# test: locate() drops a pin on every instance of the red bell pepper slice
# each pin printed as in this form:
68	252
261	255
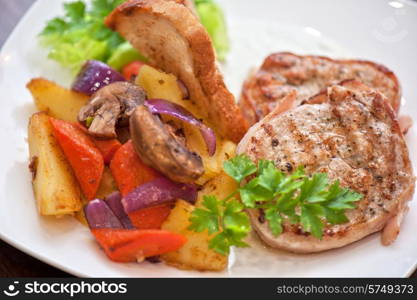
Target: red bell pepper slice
132	69
130	172
82	154
125	245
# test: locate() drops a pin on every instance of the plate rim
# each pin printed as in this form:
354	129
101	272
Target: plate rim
3	234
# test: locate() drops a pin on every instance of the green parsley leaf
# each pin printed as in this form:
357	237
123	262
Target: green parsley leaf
292	182
236	238
264	165
220	243
335	216
207	217
310	220
55	26
275	220
102	8
253	192
227	218
309	201
343	199
75	11
269	176
312	190
235	219
239	167
286	202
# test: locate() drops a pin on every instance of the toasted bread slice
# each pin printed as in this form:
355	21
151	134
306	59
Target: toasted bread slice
189	4
284	73
174	40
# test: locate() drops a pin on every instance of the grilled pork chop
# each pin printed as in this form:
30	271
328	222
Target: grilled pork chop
304	76
351	132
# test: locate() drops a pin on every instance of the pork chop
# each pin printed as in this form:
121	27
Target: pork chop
350	132
284	73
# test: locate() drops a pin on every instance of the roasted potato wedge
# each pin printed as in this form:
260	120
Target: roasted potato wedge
195	254
57	101
107	184
158	84
55	187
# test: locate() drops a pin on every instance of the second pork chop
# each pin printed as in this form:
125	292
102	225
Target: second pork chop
285	73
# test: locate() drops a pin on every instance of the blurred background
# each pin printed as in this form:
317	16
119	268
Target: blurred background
10	14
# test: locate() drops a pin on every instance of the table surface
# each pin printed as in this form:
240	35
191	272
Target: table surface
15	263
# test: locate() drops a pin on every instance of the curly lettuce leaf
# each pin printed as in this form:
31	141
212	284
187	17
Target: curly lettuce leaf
212	17
81	35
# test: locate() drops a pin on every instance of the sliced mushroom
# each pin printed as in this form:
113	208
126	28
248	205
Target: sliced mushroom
109	105
158	148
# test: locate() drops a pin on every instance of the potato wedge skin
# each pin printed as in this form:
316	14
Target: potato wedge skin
107	185
195	254
57	101
56	190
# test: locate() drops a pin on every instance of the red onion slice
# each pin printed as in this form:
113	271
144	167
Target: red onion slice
164	107
156	192
99	215
114	202
93	76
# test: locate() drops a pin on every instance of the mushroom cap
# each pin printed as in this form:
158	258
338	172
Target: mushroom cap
158	148
111	104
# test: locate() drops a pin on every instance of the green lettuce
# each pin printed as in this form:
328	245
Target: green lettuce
81	35
212	17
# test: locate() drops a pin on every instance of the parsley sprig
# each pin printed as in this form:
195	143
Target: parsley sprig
224	217
310	201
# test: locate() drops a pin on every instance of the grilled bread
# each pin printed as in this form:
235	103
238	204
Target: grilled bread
174	40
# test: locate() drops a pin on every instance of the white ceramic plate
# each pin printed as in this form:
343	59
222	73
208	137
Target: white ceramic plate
383	31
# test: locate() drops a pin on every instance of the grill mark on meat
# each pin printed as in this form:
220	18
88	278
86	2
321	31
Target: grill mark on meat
303	140
268	129
373	138
274	142
391	154
350	161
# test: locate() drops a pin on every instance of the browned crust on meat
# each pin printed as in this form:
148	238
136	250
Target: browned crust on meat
379	167
205	82
255	101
